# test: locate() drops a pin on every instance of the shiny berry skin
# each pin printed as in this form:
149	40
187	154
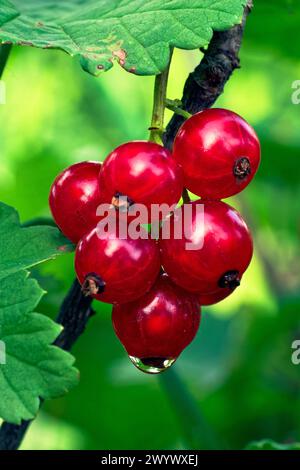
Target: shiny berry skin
157	327
219	153
214	252
215	297
145	172
74	198
113	269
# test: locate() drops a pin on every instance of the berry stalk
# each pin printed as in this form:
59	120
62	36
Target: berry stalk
176	107
159	104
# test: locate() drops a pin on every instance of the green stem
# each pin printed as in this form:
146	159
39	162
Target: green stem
185	196
159	105
175	106
198	432
4	53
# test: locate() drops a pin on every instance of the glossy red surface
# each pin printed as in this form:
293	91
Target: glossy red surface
215	297
209	145
128	267
143	171
74	198
226	246
160	324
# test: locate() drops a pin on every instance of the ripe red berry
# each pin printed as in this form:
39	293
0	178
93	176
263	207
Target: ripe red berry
214	251
144	172
219	153
74	198
157	327
215	297
113	269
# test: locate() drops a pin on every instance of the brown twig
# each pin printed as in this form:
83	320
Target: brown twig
204	86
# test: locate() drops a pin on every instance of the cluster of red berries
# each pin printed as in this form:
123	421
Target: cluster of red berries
158	286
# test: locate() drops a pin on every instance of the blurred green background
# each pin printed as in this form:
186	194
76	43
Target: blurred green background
237	377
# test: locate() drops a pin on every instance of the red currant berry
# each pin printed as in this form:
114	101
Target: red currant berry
219	153
215	297
144	172
74	198
214	251
114	269
157	327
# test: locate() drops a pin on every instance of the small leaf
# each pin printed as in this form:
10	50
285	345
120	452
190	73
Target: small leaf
22	247
268	444
135	33
31	367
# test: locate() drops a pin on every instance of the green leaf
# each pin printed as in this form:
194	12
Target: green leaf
268	444
30	367
21	247
136	33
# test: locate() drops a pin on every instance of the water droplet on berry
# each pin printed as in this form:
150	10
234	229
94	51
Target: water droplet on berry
152	365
